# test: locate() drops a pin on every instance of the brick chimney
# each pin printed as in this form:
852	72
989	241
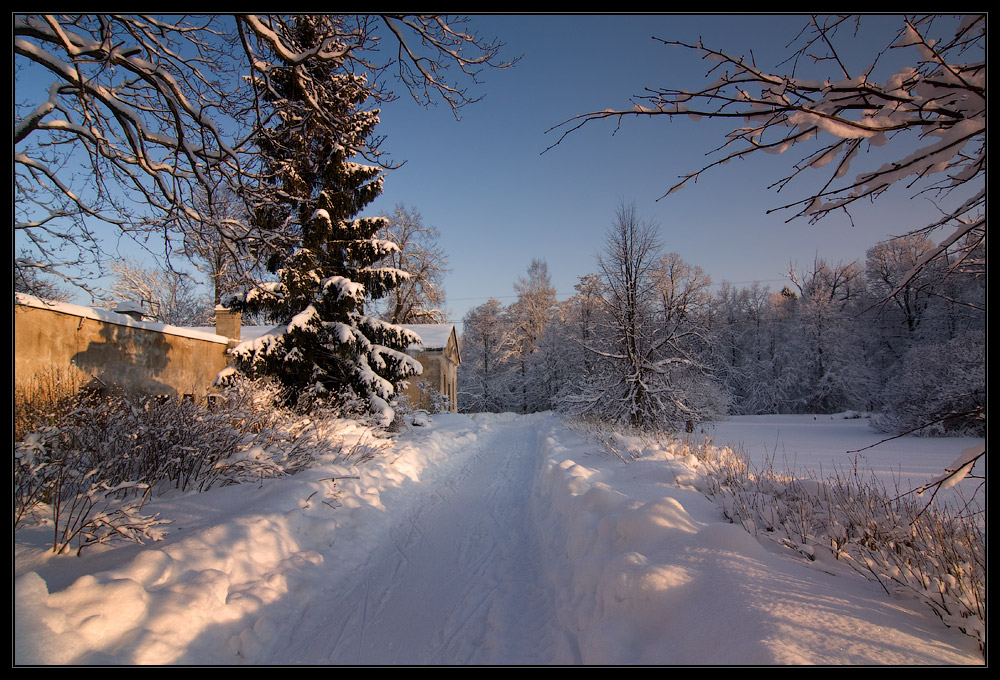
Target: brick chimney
227	323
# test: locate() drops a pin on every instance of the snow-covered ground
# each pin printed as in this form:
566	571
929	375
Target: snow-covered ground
491	539
824	445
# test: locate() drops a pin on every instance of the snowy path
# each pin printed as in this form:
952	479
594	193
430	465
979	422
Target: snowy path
457	581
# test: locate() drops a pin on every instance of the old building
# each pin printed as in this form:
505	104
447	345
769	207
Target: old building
438	354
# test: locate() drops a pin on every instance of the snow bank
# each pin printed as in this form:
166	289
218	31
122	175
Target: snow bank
628	564
648	571
238	562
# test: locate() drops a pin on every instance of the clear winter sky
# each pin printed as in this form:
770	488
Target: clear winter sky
498	201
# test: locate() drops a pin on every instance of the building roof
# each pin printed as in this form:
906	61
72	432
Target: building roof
116	318
432	335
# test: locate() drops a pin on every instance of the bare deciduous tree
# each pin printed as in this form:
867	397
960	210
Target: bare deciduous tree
420	297
887	264
215	242
121	119
645	374
28	280
682	288
528	316
487	345
165	295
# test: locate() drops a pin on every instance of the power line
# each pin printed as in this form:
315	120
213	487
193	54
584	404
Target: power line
568	295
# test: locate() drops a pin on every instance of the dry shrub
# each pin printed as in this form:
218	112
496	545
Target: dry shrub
899	540
43	398
88	467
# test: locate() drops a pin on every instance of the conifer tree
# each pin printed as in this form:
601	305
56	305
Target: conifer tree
329	263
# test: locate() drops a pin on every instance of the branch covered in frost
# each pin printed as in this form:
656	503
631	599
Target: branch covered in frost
933	111
128	120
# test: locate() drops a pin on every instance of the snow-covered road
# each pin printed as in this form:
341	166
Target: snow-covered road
456	581
492	539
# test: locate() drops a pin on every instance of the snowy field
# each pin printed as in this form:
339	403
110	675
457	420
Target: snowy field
825	445
491	539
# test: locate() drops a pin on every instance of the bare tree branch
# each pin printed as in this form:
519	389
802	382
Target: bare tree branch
933	111
122	120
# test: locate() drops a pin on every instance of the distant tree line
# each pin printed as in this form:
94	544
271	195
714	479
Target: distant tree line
904	333
647	341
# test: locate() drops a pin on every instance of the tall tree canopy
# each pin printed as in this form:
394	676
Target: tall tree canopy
122	120
646	373
330	263
420	298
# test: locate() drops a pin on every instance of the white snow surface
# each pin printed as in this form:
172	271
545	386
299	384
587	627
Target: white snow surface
822	446
487	539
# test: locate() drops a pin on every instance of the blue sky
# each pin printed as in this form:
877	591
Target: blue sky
498	201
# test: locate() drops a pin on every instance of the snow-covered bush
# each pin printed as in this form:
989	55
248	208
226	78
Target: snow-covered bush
431	399
898	540
68	485
621	441
405	412
88	473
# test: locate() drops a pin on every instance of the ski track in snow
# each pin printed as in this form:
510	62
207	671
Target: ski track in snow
456	577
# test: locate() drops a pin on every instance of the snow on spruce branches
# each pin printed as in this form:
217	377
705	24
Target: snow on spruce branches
331	262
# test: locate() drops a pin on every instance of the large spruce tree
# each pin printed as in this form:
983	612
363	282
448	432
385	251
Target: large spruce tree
329	263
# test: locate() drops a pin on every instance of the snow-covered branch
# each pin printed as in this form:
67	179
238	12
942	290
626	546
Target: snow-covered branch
126	120
931	113
446	44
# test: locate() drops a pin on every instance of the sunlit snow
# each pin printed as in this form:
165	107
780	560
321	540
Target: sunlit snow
490	539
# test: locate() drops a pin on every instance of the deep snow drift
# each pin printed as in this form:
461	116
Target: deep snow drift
492	539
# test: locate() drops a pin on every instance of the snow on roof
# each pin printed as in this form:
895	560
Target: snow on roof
432	335
126	306
116	318
248	332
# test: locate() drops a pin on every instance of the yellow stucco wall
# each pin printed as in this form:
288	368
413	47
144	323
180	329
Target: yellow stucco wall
123	354
440	373
156	359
